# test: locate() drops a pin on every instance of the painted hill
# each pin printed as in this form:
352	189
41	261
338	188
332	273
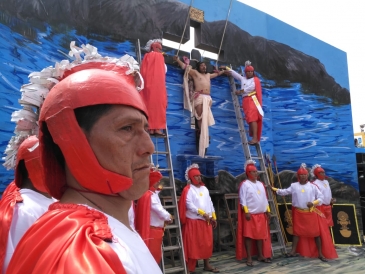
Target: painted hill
146	19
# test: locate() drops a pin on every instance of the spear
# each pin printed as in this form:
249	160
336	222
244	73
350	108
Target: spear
277	173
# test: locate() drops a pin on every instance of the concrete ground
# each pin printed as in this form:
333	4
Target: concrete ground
351	260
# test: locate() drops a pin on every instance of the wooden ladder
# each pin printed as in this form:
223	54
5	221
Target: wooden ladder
172	246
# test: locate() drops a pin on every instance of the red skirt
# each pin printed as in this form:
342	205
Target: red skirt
250	110
306	245
252	114
155	242
327	211
256	228
197	239
305	223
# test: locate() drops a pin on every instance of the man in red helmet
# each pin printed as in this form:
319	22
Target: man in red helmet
252	100
154	94
324	187
24	201
95	150
253	219
198	220
310	229
151	217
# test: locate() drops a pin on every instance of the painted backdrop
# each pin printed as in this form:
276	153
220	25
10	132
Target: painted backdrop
305	81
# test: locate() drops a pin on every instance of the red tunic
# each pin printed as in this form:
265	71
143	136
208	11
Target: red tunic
10	197
257	228
68	238
151	236
154	92
250	109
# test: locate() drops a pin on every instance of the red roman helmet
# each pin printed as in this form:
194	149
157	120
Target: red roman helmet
316	170
302	170
155	176
154	45
192	171
250	166
29	152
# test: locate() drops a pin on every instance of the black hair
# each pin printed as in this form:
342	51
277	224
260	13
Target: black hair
198	66
87	116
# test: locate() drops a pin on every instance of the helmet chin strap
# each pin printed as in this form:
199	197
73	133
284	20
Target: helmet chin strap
194	182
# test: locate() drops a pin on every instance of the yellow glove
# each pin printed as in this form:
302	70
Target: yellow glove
201	211
316	202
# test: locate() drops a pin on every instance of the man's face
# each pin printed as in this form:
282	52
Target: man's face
203	68
122	145
253	174
321	175
303	178
198	178
249	74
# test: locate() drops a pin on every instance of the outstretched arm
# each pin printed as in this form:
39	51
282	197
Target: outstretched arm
216	74
282	192
235	75
183	65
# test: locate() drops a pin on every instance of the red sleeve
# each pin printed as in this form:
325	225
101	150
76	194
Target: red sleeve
182	205
143	216
68	238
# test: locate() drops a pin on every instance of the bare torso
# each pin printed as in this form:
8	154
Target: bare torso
202	82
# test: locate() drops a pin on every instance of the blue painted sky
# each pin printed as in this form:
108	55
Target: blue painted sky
261	24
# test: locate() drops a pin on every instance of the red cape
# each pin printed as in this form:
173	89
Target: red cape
182	204
258	89
240	249
68	238
10	188
143	216
10	197
154	93
259	97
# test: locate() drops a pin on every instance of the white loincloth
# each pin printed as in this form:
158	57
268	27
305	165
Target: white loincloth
207	120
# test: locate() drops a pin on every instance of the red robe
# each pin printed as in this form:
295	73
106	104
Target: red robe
151	236
240	239
68	238
154	93
10	197
250	109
